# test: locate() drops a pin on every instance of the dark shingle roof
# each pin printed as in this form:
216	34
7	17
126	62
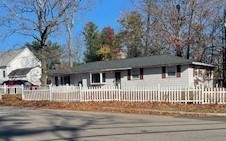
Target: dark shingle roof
20	72
138	62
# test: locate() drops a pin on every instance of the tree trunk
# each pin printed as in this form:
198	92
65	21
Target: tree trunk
147	49
43	67
70	49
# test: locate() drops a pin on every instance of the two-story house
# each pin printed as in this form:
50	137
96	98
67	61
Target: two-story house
20	64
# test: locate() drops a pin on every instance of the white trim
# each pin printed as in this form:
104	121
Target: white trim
104	70
202	64
101	79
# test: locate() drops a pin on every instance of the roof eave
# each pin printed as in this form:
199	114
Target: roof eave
203	64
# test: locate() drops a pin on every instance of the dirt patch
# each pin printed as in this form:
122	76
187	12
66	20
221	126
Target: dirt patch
119	107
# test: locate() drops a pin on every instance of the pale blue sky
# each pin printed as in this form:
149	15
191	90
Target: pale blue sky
103	13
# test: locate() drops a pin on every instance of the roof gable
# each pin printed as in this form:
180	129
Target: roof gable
7	56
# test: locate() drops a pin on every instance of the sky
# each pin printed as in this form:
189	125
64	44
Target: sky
104	13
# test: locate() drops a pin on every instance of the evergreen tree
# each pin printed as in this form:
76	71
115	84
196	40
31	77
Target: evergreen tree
91	34
52	53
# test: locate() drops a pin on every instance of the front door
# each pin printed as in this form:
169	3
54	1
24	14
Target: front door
117	78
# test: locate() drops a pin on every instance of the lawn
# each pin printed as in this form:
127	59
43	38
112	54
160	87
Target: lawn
119	107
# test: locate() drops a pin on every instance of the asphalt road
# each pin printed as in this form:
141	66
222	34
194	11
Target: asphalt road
24	124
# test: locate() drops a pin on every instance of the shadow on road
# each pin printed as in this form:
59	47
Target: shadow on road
59	125
22	123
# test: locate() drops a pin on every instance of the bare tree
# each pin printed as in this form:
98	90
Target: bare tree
37	19
70	17
147	8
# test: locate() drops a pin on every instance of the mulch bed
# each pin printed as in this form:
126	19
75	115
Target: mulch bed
119	107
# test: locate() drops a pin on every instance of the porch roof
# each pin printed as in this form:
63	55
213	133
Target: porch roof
20	72
137	62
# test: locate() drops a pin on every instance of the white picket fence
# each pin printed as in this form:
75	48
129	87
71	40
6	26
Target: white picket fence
4	89
199	95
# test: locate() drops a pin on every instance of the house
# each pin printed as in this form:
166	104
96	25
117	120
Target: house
166	70
20	64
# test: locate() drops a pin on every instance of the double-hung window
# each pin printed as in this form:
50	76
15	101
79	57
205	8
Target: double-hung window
97	78
136	73
171	71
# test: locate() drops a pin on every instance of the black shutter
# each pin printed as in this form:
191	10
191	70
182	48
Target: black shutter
178	71
163	72
141	73
129	75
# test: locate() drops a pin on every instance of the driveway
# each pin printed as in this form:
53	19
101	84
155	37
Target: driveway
25	124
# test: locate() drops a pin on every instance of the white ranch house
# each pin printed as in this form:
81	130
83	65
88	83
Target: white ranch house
164	70
20	64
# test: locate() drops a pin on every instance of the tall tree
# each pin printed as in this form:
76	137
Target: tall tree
109	46
147	9
131	33
70	20
37	19
92	40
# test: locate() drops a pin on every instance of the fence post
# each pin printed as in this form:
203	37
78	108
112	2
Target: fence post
202	93
22	91
67	90
80	92
4	89
159	88
119	92
186	95
50	92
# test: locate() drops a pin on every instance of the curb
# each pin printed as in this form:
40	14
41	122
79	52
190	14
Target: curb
171	112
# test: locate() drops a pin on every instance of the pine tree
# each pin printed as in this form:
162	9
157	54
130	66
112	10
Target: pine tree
91	34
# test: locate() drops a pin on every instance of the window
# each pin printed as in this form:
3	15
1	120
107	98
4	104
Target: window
64	80
67	80
171	71
135	73
4	74
98	78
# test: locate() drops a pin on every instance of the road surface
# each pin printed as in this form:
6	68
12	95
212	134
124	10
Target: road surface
25	124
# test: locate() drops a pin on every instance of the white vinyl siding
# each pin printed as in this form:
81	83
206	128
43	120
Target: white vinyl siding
153	77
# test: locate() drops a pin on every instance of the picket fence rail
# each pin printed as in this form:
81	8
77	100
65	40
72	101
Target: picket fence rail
198	95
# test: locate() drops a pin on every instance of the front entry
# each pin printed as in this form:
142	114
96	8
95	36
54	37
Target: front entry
117	78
